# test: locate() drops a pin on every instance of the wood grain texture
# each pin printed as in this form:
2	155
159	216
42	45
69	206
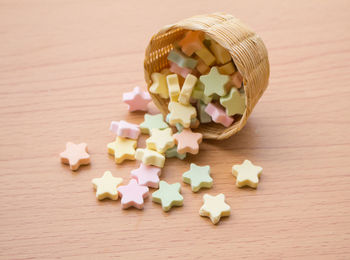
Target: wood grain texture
63	68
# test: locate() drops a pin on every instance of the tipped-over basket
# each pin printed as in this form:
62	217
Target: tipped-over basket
247	51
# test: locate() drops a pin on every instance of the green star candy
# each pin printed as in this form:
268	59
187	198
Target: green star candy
214	82
198	93
172	152
234	102
168	195
152	121
198	177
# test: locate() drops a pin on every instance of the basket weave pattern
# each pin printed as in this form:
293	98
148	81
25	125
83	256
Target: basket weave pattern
247	51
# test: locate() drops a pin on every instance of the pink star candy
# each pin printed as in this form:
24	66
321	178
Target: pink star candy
183	72
125	129
147	175
132	194
75	155
187	141
137	99
218	115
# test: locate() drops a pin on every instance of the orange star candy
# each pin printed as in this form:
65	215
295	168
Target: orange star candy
75	155
187	141
193	41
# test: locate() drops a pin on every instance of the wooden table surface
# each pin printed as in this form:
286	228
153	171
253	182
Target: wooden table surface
63	68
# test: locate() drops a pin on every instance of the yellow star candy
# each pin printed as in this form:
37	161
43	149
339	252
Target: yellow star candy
182	114
150	157
106	186
159	85
122	149
160	140
214	207
247	174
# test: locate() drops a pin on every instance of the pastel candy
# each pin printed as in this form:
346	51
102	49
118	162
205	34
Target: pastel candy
183	72
106	186
214	82
133	194
187	141
202	67
172	152
187	88
214	207
178	126
150	157
194	124
237	79
181	113
160	140
147	175
198	177
159	85
125	129
192	42
218	115
182	60
122	149
168	195
75	155
173	86
206	56
137	99
234	102
152	121
221	54
198	93
202	115
227	68
247	174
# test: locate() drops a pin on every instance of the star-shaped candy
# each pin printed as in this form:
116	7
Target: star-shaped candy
106	186
187	141
168	195
192	42
247	174
133	194
160	140
159	85
147	175
125	129
122	149
182	114
218	115
75	155
198	177
152	121
172	152
214	82
214	207
137	99
150	157
234	102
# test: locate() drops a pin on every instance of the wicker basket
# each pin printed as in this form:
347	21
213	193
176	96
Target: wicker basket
246	48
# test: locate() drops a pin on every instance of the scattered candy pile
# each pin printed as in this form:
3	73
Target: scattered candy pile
216	96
